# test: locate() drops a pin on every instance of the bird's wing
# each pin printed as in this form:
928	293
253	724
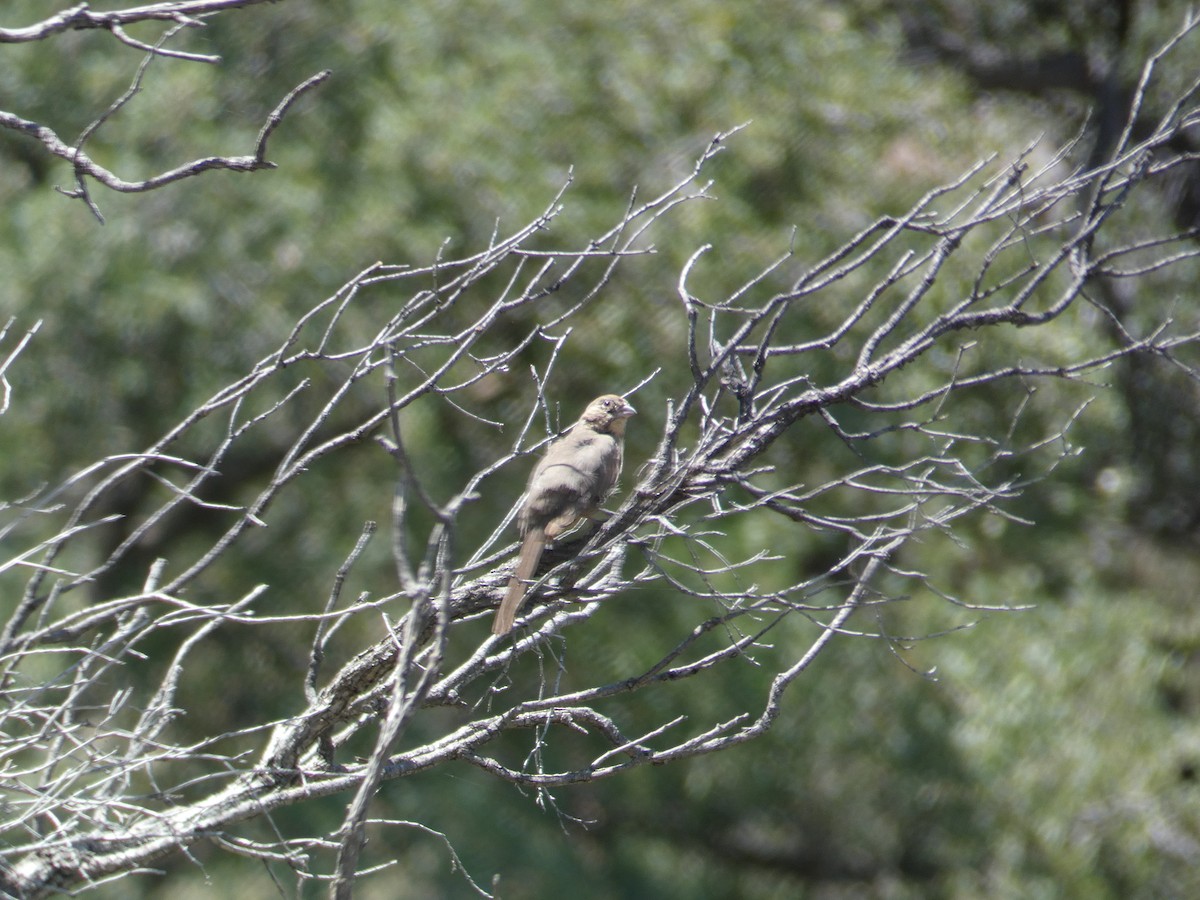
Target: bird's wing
571	480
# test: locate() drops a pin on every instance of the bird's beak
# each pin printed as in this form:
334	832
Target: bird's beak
626	410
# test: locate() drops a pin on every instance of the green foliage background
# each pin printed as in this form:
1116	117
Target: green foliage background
1054	751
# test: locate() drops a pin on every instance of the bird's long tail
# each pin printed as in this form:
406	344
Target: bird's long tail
527	563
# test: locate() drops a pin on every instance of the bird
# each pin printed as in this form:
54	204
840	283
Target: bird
567	485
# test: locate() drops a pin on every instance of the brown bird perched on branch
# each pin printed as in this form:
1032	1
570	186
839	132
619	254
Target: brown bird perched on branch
568	485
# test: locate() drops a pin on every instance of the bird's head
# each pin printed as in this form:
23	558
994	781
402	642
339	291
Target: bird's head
608	413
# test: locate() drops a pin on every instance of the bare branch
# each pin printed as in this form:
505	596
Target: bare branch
81	17
874	349
179	16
